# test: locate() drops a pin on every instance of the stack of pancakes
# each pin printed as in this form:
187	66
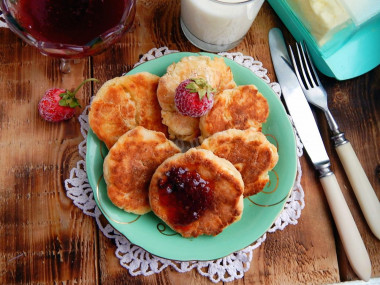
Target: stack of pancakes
135	116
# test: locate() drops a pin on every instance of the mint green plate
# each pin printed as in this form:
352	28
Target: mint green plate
260	211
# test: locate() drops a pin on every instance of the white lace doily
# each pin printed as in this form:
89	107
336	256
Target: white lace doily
139	262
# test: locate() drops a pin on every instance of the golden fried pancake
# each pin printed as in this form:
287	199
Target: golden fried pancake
217	74
183	127
130	164
197	193
249	151
240	108
123	103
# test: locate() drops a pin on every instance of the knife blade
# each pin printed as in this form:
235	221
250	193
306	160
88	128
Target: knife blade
308	132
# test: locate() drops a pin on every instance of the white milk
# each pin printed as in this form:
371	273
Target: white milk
219	22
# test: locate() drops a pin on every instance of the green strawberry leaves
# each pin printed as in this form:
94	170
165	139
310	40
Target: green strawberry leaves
200	86
68	98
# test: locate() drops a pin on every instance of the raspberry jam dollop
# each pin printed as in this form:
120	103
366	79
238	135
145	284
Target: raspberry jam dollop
185	194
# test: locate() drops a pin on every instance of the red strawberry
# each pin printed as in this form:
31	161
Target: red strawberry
194	97
59	104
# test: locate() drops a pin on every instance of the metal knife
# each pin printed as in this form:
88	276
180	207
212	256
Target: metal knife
308	132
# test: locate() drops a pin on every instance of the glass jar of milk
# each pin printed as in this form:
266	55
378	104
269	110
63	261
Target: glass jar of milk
217	25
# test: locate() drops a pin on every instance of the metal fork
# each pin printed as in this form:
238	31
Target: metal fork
317	96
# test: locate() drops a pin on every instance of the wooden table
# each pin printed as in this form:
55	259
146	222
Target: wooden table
46	239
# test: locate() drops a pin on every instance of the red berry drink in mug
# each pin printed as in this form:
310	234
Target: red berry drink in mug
79	27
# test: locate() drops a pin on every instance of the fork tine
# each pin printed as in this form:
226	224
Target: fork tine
301	59
313	73
296	69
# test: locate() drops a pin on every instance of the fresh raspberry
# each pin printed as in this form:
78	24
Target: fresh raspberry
59	104
194	97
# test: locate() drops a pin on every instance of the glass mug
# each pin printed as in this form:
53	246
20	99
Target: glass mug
69	29
217	25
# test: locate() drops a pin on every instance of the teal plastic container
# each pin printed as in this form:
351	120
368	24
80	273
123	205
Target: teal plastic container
352	51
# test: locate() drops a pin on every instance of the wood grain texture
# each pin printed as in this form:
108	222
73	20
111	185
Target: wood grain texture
46	239
355	104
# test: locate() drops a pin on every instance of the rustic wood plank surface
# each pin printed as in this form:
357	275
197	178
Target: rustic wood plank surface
46	239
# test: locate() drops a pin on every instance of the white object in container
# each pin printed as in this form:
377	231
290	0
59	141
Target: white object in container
214	25
323	18
362	10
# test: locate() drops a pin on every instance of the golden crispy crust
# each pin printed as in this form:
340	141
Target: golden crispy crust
217	74
123	103
130	164
182	127
240	108
226	205
249	151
